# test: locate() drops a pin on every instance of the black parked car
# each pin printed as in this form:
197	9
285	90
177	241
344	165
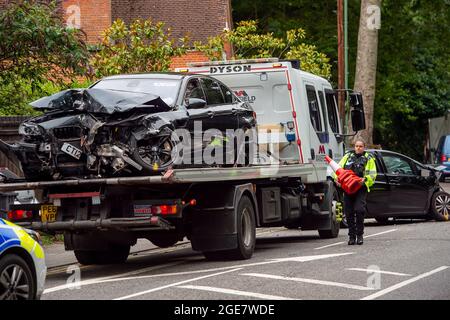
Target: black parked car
405	188
123	125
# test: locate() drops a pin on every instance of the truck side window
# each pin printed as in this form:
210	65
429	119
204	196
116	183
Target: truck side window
314	111
323	108
213	92
332	113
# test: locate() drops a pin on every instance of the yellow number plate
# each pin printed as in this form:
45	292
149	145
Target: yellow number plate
48	213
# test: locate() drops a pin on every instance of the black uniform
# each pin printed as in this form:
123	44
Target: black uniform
355	204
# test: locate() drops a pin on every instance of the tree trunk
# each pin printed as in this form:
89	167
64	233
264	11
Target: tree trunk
366	62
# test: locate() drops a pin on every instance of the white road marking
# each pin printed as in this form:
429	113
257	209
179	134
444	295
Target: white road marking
175	284
109	278
369	236
380	271
312	281
404	283
236	292
311	258
330	245
380	233
124	277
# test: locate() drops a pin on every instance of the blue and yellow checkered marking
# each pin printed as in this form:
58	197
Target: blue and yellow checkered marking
12	235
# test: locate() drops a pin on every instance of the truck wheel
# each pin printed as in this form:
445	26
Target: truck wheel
246	230
163	242
440	206
246	234
117	254
332	206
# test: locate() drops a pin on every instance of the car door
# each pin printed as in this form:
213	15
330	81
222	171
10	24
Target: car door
408	194
380	192
224	115
200	118
204	113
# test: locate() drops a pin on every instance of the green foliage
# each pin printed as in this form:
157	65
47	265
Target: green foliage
413	78
249	43
36	48
414	73
142	46
14	97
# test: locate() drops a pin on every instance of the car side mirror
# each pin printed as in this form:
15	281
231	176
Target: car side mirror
357	111
195	103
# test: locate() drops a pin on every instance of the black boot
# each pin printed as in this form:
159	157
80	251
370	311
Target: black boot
351	241
360	240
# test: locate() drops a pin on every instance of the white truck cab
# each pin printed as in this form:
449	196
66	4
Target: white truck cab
299	106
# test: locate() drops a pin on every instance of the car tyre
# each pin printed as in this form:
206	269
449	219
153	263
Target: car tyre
440	206
14	268
165	145
382	220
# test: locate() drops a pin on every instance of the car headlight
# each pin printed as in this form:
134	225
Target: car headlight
27	129
33	234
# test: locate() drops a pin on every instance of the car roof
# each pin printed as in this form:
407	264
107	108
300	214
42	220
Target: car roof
150	75
392	153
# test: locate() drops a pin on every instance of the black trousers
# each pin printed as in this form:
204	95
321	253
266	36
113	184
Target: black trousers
355	210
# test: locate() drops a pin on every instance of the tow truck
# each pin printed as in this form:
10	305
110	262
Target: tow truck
218	209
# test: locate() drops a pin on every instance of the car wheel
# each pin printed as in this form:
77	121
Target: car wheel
16	279
156	153
440	206
382	220
115	255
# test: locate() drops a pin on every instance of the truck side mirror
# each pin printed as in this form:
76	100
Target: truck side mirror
357	111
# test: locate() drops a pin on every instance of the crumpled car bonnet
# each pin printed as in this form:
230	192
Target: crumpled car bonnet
100	101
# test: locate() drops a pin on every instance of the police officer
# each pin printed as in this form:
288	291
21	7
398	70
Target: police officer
363	165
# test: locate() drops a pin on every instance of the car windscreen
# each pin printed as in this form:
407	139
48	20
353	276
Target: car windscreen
166	89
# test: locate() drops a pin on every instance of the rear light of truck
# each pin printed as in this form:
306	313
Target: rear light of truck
164	209
443	158
15	215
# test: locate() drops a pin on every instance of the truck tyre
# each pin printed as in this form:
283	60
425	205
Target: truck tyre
440	206
164	242
115	255
333	232
246	234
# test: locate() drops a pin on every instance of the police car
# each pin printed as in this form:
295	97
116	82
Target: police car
22	263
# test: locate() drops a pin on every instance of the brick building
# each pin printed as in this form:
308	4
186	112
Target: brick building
199	19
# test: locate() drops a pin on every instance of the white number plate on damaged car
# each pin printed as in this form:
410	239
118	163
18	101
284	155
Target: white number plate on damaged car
71	150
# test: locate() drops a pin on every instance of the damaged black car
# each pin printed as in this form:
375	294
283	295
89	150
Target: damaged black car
123	125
